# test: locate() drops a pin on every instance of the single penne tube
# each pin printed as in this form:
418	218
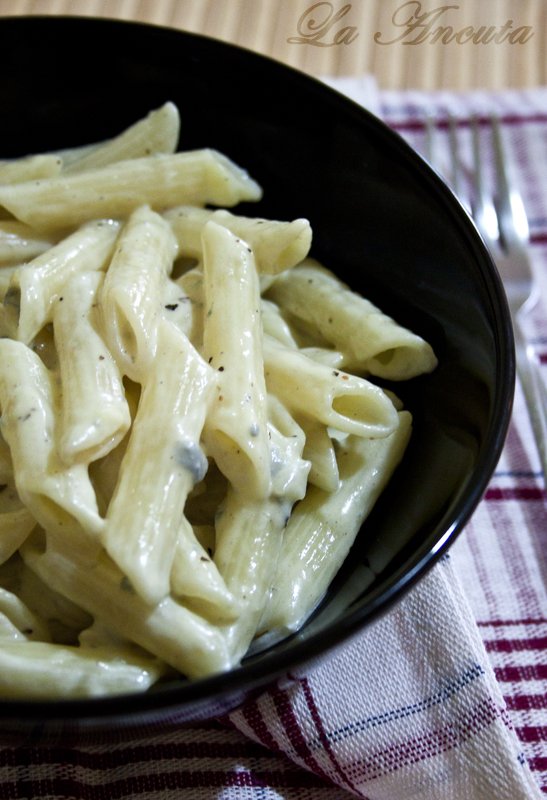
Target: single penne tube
288	467
44	344
6	466
191	284
277	246
104	472
29	625
35	670
249	536
69	155
158	132
15	526
324	525
55	494
64	619
29	168
94	412
197	177
205	499
205	534
235	433
274	325
177	308
329	358
196	580
351	323
16	521
5	278
265	281
35	286
9	632
346	402
162	463
132	293
19	243
178	636
319	450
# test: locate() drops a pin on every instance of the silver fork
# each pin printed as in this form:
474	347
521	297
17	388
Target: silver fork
501	220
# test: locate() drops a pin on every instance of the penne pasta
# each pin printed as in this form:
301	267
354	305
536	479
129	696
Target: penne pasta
104	472
323	526
346	402
15	526
249	536
94	412
8	631
158	132
196	579
319	450
22	625
235	432
168	630
33	670
163	462
61	620
274	325
35	286
131	296
177	308
6	466
19	243
333	359
191	284
289	470
55	495
276	246
29	168
16	522
184	462
199	177
351	323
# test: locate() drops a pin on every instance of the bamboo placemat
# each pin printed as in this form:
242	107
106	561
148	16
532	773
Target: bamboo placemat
474	48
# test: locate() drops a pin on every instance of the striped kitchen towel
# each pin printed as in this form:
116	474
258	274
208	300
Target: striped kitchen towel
443	698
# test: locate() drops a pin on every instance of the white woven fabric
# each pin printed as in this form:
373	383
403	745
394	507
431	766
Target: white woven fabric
410	709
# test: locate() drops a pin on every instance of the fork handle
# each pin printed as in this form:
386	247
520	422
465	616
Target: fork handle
535	392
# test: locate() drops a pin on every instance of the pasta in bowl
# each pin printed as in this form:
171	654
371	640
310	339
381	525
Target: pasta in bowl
187	457
145	556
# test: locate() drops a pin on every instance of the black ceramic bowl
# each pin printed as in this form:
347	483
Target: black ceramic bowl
381	219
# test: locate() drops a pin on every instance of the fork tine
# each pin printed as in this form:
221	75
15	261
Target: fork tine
484	212
513	224
514	237
510	255
430	150
455	171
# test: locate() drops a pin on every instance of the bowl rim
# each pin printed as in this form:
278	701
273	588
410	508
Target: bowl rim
124	709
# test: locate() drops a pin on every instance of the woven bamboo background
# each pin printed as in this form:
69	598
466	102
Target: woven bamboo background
267	25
